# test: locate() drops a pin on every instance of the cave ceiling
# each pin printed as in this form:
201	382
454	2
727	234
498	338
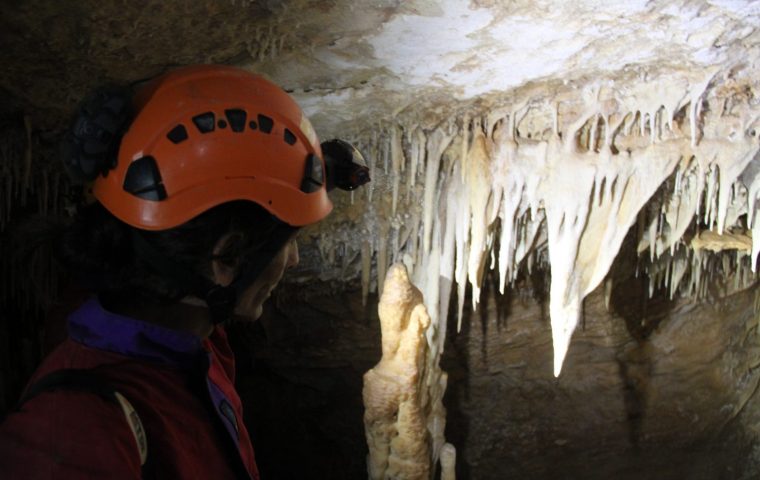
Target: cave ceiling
354	64
500	135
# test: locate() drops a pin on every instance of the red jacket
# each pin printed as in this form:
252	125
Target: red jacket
181	387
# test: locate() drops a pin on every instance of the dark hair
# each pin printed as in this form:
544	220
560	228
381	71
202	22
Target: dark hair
98	249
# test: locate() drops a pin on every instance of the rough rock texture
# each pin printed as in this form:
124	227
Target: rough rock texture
353	63
663	405
653	389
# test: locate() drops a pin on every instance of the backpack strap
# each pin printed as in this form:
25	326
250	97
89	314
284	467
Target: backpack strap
88	381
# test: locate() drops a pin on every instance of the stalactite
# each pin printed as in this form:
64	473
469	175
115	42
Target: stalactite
437	143
452	198
565	196
479	183
382	255
607	293
508	180
386	149
30	177
465	146
397	161
461	236
366	268
417	145
372	148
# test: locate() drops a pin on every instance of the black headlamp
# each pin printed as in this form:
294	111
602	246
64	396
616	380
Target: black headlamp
346	167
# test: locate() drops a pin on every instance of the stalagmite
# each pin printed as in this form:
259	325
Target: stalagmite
448	462
404	417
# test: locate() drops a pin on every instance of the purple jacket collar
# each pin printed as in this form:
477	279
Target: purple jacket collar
95	327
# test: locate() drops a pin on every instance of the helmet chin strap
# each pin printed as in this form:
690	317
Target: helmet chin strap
221	299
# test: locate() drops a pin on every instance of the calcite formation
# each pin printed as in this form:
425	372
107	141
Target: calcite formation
560	180
404	417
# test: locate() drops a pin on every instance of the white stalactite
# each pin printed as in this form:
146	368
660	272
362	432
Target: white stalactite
572	190
397	161
437	143
479	189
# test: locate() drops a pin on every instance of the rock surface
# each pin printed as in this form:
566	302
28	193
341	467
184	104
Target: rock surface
653	389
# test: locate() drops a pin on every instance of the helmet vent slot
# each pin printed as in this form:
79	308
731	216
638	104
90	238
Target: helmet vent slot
265	123
143	180
205	122
177	134
289	137
236	117
313	175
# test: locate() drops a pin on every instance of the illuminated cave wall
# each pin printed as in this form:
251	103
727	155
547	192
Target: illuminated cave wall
557	185
559	181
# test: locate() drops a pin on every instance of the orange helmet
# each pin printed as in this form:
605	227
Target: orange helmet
205	135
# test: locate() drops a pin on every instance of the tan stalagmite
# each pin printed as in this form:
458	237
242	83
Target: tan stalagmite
448	462
401	407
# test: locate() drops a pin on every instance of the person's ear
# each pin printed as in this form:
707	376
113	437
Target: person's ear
222	271
293	258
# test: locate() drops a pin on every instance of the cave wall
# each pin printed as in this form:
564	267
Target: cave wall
653	388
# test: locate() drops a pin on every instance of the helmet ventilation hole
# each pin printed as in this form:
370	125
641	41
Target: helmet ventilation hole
265	123
205	122
236	117
289	137
143	180
177	134
313	175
